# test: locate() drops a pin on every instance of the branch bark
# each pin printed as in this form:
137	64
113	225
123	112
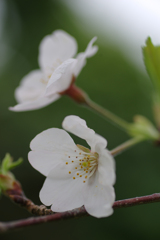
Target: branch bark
17	195
79	212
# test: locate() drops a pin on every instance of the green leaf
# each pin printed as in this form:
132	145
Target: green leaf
8	164
15	164
151	55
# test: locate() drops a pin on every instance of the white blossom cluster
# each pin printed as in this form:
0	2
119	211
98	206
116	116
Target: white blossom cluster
75	175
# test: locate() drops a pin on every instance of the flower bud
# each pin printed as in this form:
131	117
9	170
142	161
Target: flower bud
143	128
8	184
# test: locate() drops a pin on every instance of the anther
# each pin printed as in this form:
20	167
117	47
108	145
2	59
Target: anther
66	163
79	153
72	161
79	163
80	160
74	178
77	173
84	181
80	175
69	156
85	176
75	167
69	172
86	171
76	157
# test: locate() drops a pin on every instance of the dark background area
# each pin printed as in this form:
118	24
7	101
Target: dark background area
109	80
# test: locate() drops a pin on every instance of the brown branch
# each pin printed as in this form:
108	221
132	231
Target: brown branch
17	195
137	201
6	226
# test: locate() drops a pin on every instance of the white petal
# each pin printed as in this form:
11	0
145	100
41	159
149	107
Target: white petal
56	48
30	93
98	199
44	161
97	143
78	127
49	148
61	190
33	105
106	168
81	57
52	139
61	78
32	86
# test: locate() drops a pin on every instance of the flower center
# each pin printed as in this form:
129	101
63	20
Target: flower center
83	165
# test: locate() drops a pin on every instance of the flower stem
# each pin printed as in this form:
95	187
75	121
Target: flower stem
107	114
124	146
78	212
81	97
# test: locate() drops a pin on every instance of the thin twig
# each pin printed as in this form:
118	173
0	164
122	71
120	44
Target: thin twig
17	195
79	212
124	146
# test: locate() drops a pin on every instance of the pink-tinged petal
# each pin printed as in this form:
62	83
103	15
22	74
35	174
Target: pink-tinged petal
51	147
61	78
81	57
55	49
35	104
98	199
78	127
106	168
61	190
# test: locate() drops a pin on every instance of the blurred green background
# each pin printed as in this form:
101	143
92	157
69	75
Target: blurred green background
109	80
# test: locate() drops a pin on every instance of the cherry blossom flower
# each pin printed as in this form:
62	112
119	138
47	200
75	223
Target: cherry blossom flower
58	70
76	175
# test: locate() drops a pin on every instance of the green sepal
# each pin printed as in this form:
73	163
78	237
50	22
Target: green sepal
143	128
